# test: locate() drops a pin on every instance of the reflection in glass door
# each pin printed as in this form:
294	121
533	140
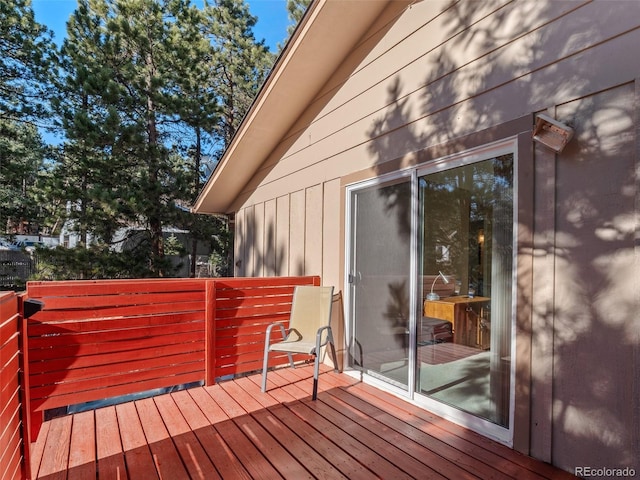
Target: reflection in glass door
466	261
380	280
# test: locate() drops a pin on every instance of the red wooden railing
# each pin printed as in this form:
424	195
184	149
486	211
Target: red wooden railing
12	445
100	339
242	308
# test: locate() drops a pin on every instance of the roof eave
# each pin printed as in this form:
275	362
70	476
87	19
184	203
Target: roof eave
325	35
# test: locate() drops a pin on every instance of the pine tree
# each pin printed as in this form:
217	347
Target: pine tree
147	87
27	59
27	56
22	155
131	68
235	70
296	9
240	64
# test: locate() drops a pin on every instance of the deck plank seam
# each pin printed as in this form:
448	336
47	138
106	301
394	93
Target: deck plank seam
474	443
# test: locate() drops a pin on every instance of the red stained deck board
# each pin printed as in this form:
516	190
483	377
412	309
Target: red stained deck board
280	394
55	455
252	459
193	454
322	443
37	448
241	396
469	442
237	403
225	461
109	452
138	457
414	459
82	452
226	402
212	411
357	447
292	439
234	431
384	447
253	389
164	452
478	465
286	464
275	378
439	455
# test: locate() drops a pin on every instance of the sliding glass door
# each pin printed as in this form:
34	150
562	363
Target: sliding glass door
431	275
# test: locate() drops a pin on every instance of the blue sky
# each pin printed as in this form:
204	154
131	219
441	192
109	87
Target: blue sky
272	18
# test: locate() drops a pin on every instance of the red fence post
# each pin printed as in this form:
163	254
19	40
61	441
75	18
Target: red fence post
14	441
29	430
210	333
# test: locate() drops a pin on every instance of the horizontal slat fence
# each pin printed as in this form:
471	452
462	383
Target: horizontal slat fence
243	308
100	339
11	432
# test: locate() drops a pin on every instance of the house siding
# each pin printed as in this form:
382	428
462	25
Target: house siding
596	284
438	78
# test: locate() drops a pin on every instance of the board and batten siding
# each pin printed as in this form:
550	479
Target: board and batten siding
289	235
586	387
417	86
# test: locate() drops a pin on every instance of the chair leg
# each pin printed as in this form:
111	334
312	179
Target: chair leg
334	357
293	365
265	363
316	363
265	360
316	371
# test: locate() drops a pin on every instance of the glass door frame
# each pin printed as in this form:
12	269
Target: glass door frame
485	427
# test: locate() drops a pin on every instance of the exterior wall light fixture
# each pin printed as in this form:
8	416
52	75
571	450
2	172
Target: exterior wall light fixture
551	133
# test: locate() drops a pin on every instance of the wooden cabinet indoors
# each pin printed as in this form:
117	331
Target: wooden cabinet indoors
469	316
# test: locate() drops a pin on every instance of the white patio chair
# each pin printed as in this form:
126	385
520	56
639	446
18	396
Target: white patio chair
309	330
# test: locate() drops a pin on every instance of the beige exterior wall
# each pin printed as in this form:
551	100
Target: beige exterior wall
432	80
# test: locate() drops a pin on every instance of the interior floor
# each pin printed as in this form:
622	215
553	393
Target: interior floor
452	374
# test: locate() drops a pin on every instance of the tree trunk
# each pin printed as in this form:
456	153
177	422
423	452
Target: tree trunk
154	218
194	241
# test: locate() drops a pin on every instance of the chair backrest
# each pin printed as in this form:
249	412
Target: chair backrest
311	309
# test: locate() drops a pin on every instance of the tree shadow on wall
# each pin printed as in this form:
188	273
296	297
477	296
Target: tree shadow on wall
498	66
268	260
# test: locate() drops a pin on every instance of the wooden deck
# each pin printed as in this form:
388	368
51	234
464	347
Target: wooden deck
233	431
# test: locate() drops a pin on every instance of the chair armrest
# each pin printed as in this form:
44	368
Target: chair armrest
329	338
270	327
